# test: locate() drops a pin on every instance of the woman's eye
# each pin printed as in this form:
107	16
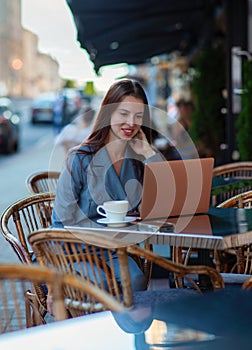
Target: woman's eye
123	114
139	116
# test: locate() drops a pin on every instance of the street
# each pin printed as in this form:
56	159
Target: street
36	153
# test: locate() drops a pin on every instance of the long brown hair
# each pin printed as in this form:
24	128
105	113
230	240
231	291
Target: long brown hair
115	95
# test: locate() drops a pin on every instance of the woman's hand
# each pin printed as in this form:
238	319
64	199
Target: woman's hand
140	145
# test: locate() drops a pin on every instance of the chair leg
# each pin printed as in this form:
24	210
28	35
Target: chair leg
240	260
177	258
147	265
28	314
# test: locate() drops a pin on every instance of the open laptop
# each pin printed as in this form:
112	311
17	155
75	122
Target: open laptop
177	187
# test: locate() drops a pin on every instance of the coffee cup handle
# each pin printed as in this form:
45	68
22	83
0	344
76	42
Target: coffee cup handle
99	208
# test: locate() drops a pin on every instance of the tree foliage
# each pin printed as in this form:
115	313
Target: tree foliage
71	84
208	123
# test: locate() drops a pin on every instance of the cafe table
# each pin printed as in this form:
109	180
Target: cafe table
212	321
219	228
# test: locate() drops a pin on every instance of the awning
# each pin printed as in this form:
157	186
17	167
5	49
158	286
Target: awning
133	31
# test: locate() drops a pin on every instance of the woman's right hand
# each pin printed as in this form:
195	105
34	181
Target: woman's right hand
141	146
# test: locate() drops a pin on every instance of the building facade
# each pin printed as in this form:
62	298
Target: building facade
24	71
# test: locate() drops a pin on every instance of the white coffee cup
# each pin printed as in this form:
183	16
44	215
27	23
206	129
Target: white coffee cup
115	211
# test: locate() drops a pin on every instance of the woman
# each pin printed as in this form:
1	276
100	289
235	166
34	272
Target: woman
109	164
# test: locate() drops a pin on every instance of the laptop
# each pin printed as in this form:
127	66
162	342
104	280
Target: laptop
177	187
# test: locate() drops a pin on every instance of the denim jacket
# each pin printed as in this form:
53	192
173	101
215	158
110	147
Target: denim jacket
89	180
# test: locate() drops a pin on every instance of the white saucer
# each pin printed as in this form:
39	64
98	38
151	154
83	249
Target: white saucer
116	223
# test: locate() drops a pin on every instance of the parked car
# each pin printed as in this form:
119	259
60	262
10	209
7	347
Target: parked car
42	108
9	127
43	104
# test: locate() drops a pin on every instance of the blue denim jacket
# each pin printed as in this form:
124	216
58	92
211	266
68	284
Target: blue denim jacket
89	180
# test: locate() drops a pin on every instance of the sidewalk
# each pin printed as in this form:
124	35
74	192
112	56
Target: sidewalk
14	171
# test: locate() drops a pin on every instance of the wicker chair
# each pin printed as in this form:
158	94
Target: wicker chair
240	170
91	256
23	217
43	181
242	200
237	170
70	295
19	220
243	263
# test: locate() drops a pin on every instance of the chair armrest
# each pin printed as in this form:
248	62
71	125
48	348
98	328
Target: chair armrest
18	248
182	270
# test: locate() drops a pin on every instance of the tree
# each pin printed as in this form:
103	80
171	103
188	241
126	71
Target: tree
71	84
208	123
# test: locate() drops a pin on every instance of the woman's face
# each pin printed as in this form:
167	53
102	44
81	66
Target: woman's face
127	119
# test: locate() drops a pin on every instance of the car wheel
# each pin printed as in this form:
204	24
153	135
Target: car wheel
10	147
16	146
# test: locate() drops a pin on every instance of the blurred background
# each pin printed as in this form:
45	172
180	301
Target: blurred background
58	58
72	51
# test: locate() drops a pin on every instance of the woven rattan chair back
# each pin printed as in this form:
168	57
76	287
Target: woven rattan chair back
90	257
70	296
237	170
82	297
16	283
242	200
241	170
23	217
42	182
243	263
18	221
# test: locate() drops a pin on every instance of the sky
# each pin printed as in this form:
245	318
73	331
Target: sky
52	21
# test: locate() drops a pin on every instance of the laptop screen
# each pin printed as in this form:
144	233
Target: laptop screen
177	187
